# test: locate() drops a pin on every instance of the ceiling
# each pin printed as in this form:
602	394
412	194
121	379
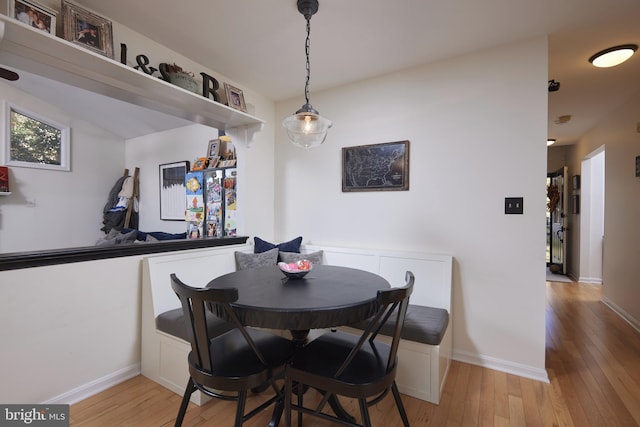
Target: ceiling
260	43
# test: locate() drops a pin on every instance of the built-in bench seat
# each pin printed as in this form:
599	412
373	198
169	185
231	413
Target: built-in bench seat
172	322
426	325
425	347
165	344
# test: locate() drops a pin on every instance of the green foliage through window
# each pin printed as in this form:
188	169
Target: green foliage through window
34	141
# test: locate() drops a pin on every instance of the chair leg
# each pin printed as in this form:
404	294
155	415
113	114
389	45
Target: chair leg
364	411
188	391
288	389
300	393
398	399
242	399
277	412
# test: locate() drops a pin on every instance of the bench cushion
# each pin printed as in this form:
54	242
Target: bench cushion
422	324
172	322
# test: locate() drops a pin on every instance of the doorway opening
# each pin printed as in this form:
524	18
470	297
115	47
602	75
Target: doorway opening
592	218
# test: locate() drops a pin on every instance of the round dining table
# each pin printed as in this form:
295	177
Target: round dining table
328	296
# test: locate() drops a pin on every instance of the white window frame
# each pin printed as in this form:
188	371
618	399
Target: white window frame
65	149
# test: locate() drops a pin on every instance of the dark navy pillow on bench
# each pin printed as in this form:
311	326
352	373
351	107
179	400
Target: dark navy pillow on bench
172	322
422	324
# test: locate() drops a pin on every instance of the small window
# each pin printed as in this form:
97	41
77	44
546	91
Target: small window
33	141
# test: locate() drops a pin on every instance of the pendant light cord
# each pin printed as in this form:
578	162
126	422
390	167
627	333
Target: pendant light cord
306	50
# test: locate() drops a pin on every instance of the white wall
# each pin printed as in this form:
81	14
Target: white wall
617	132
477	126
69	329
56	209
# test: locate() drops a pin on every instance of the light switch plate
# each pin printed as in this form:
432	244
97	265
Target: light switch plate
513	205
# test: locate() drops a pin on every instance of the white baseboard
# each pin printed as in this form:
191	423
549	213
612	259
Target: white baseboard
94	387
590	280
622	313
501	365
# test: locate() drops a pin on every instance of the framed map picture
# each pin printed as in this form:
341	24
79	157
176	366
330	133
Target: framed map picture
376	167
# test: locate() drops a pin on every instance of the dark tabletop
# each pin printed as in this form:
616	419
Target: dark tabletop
326	297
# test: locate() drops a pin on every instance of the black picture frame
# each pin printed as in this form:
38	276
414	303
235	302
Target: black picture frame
173	191
575	204
376	167
638	166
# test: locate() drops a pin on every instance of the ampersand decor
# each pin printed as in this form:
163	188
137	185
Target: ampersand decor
143	61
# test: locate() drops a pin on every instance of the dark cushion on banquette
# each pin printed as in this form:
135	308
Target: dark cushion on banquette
422	324
172	322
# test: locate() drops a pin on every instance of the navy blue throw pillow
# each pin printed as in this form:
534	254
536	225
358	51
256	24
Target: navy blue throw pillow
290	246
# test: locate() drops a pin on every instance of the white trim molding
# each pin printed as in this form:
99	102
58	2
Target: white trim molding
622	313
501	365
96	386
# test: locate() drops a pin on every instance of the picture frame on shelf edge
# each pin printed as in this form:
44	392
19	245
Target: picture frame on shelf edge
33	14
213	149
213	162
235	97
87	29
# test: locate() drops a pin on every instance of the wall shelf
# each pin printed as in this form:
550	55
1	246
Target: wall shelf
112	89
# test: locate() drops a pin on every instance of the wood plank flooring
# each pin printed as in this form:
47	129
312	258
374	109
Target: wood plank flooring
592	357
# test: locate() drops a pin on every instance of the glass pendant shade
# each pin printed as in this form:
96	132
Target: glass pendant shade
306	128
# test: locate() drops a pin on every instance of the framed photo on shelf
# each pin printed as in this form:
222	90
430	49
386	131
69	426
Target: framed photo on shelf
173	191
214	148
87	29
213	162
227	163
33	14
200	163
235	97
4	179
377	167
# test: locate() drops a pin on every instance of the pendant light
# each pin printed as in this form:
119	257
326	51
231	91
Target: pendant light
307	128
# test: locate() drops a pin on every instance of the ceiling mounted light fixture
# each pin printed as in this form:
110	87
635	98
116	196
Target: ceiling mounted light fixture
613	56
550	141
307	128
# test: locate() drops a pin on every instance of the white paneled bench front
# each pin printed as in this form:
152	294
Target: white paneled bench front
427	340
425	349
164	348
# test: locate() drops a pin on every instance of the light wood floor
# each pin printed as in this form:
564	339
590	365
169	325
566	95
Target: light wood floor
592	357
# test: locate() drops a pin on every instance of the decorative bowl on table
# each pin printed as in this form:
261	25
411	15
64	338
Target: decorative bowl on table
296	270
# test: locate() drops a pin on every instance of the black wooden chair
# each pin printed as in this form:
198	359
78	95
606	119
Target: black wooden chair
355	366
227	366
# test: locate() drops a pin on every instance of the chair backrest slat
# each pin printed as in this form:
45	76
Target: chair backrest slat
395	300
196	305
